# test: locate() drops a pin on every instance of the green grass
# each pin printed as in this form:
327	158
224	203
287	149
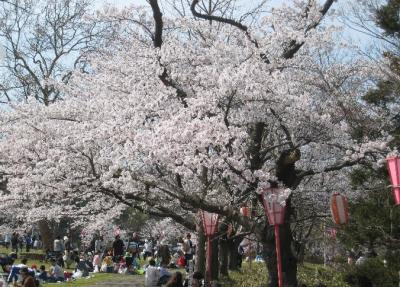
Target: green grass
309	274
254	276
97	278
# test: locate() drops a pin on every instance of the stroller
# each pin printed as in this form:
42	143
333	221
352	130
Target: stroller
51	255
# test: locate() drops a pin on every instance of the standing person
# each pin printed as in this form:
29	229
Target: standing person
28	242
7	240
68	260
92	244
58	248
118	248
21	240
33	239
98	245
188	249
14	242
67	245
164	254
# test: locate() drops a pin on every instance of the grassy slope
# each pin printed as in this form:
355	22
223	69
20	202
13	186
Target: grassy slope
309	274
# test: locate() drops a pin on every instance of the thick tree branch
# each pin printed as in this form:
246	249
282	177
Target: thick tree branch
331	168
158	23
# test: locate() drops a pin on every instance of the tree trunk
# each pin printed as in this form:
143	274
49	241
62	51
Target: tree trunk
46	234
233	245
200	263
214	261
223	256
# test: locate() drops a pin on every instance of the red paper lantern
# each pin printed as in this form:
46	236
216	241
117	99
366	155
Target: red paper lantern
245	211
339	209
210	222
273	209
393	164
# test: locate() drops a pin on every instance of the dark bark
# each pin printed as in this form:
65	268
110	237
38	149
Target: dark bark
215	261
158	23
223	256
286	173
200	264
46	234
233	245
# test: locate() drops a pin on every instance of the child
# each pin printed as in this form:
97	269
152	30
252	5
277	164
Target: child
97	262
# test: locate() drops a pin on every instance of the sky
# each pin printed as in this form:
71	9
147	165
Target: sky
356	37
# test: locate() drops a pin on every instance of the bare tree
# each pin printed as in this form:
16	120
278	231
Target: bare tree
43	41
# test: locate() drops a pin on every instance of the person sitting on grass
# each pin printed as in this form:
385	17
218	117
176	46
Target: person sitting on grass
56	272
43	276
164	274
81	268
15	270
176	280
27	279
197	277
107	264
152	274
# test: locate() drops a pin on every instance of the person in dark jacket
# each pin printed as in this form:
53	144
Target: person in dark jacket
118	248
14	242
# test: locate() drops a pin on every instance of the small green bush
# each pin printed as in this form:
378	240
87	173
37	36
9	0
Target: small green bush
375	271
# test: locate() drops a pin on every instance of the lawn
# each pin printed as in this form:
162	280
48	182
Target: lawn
254	276
101	278
309	274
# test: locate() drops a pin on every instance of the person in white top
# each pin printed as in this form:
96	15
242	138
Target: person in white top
152	274
98	245
7	240
148	249
58	245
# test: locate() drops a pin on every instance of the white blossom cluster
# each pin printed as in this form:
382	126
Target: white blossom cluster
123	134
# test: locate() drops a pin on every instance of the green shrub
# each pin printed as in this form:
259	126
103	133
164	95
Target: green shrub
375	271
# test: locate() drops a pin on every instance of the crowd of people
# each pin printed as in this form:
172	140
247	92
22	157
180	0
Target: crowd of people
152	257
17	242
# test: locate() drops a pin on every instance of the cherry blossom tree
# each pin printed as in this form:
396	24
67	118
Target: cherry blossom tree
190	120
